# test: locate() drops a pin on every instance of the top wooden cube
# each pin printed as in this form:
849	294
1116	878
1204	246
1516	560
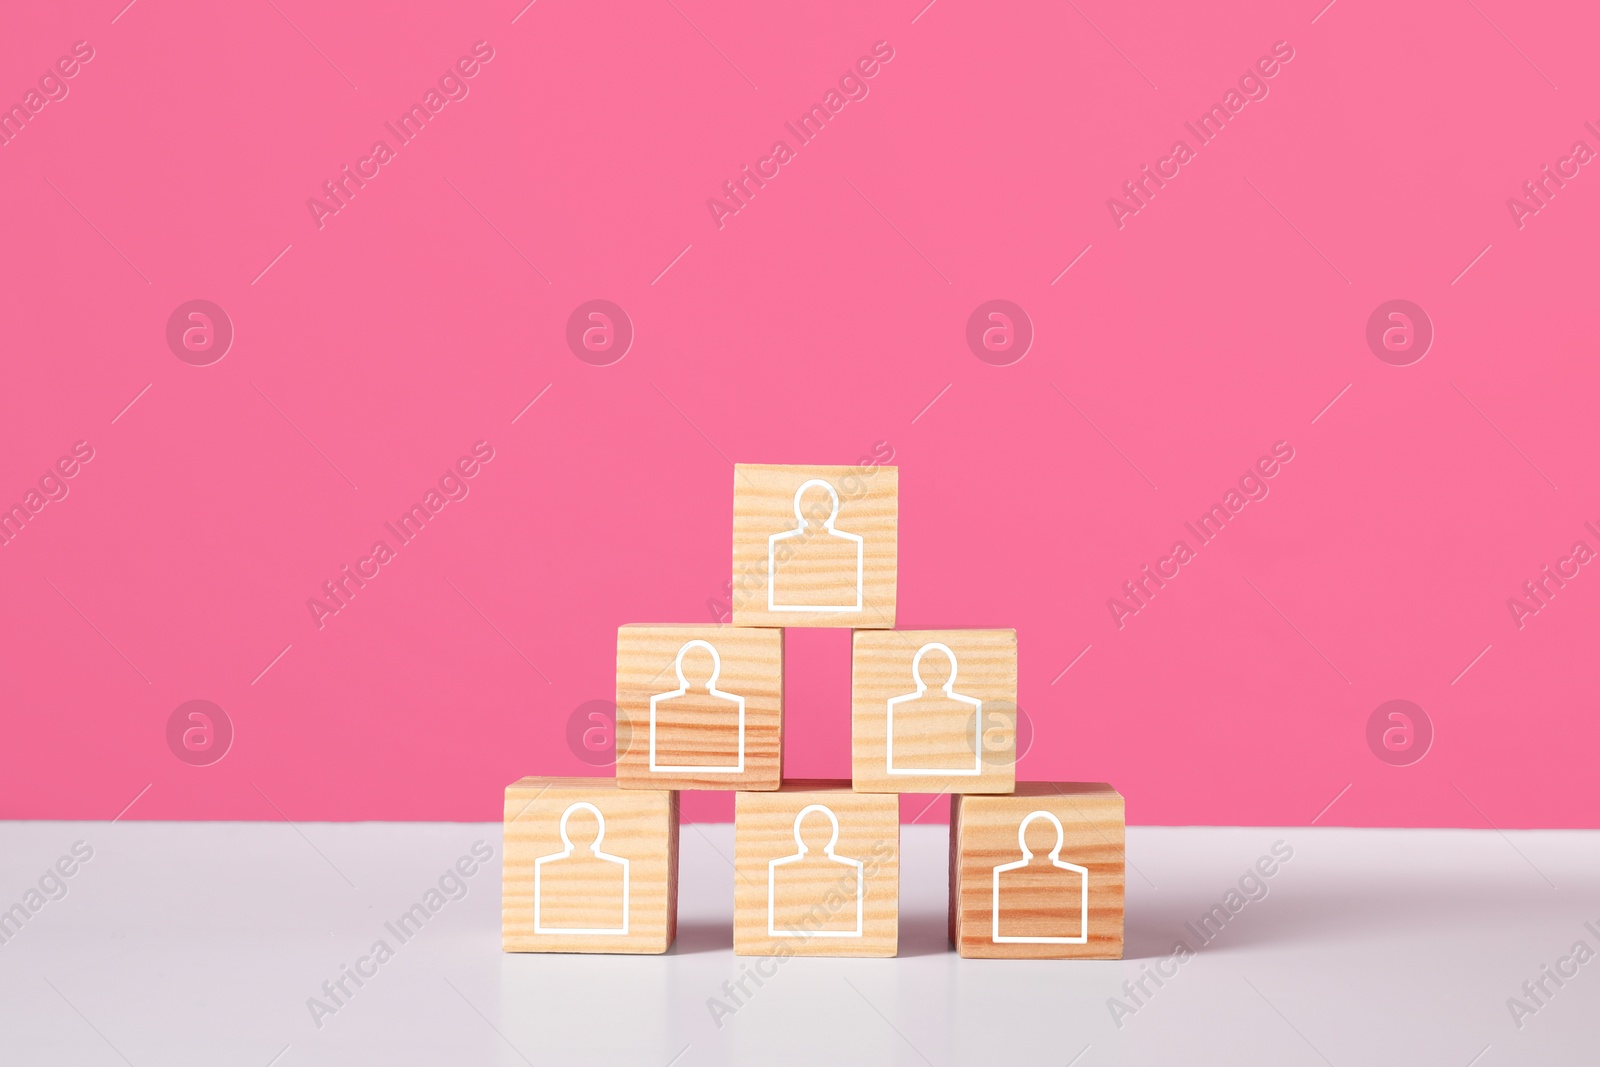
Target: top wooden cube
815	546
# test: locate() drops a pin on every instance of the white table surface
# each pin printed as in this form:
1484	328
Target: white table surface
200	943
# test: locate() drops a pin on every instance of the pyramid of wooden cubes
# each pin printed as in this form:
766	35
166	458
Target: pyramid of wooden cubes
1036	868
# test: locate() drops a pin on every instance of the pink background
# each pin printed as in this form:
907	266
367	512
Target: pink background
817	322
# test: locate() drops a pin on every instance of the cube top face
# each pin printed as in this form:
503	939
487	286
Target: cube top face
815	546
588	867
933	711
699	707
1038	874
817	872
815	785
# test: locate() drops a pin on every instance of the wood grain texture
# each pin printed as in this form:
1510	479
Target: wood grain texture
1038	898
972	728
813	895
698	729
815	568
580	890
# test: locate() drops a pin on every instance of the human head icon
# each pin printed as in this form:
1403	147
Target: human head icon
599	830
916	666
716	666
800	517
1022	835
833	822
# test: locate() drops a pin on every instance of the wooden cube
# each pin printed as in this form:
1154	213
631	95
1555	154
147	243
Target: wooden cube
933	711
1038	874
699	707
588	867
815	546
817	872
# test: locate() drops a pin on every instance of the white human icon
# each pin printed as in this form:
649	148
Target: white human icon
851	871
556	858
712	693
897	705
803	526
1078	884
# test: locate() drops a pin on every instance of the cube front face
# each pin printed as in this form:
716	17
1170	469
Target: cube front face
699	707
815	546
817	872
1057	893
933	711
589	867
